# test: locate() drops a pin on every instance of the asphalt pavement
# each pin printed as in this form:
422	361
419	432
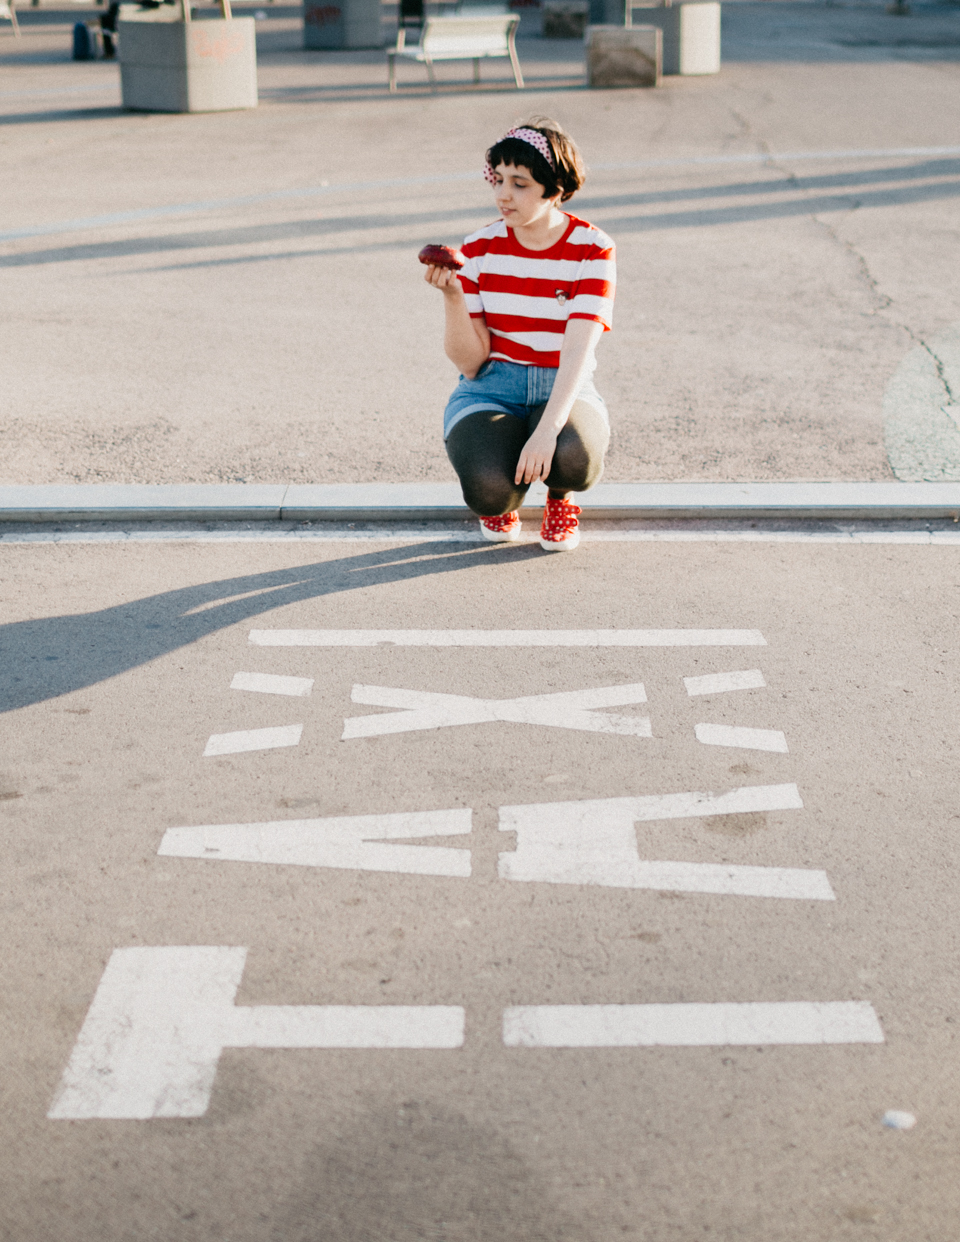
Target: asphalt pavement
393	890
365	882
235	297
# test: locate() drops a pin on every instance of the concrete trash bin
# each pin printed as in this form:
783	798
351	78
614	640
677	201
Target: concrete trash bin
624	55
342	24
169	63
565	19
691	33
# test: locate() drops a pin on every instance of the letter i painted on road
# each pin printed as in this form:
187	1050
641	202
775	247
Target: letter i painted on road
161	1017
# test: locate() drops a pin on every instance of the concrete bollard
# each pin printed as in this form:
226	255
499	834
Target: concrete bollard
194	66
691	34
624	55
342	24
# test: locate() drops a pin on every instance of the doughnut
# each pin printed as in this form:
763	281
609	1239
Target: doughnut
442	256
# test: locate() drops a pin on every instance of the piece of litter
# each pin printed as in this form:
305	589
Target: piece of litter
260	15
893	1119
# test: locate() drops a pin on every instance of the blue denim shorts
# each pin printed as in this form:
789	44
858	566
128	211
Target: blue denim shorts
512	389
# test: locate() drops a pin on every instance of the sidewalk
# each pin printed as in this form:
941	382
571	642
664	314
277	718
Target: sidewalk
441	502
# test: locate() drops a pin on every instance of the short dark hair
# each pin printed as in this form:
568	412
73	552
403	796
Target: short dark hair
569	174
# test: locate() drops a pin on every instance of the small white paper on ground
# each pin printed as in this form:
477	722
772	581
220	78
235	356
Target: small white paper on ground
268	683
893	1119
253	739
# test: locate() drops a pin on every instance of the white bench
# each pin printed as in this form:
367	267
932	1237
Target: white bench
9	14
459	38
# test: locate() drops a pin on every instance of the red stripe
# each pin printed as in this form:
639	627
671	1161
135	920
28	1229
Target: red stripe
591	319
526	286
524	323
522	354
543	287
527	323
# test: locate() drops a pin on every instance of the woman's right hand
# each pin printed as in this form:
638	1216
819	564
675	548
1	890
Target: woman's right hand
444	279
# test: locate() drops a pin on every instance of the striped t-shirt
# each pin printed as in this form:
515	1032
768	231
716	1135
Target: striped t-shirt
527	296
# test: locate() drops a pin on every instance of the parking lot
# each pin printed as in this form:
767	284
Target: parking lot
375	884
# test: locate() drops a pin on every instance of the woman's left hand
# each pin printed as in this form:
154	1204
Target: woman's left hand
536	457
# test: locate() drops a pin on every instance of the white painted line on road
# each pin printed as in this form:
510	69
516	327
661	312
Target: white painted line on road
161	1017
595	842
353	842
691	1025
720	683
268	683
328	532
253	739
746	739
566	710
507	638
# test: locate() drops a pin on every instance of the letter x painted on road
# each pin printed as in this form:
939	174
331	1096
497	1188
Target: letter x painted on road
567	710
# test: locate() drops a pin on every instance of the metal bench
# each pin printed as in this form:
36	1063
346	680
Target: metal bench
459	38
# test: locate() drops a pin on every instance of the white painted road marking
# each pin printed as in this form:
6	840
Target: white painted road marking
567	710
746	739
852	533
508	638
685	1026
557	843
161	1017
720	683
350	842
595	842
253	739
267	683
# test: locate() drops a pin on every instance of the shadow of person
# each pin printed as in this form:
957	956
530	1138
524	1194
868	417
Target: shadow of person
424	1171
52	656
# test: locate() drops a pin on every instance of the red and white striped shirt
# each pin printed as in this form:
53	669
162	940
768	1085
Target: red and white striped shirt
527	296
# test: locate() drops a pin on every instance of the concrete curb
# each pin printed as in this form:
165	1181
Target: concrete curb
418	502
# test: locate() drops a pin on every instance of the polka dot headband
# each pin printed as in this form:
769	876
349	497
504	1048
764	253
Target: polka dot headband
531	136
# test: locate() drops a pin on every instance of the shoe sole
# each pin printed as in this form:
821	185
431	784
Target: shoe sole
563	545
500	536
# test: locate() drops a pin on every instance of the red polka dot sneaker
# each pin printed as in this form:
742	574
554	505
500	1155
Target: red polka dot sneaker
502	529
560	531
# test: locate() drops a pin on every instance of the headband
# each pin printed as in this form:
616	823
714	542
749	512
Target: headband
533	138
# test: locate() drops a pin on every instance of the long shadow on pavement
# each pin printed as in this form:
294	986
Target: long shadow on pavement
52	656
874	187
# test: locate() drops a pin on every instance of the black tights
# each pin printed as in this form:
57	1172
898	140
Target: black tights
485	447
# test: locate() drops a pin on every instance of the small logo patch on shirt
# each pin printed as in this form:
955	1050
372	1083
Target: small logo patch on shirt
561	296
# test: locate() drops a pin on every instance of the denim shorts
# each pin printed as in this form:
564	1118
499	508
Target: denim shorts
512	389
